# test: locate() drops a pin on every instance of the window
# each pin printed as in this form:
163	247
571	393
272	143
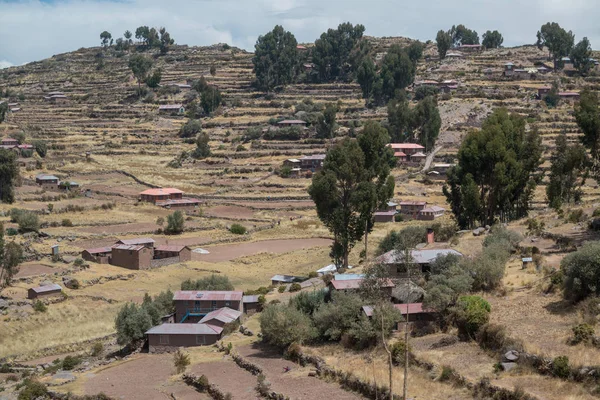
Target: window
227	303
214	304
200	339
164	339
197	303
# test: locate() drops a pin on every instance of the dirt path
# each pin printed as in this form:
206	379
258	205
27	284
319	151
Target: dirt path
229	378
230	252
296	384
430	157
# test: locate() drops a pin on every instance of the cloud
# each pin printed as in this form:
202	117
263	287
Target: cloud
36	29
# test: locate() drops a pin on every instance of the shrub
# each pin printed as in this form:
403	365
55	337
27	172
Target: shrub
295	287
70	362
12	232
398	350
470	314
66	222
175	223
181	361
97	349
560	367
576	216
446	373
28	222
131	323
5	369
212	282
313	274
281	288
408	237
191	128
581	271
33	390
237	229
494	337
240	148
582	333
78	262
285	171
282	325
39	306
398	218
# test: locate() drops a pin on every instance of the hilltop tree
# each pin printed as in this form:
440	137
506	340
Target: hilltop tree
275	59
142	33
165	41
3	111
494	178
462	35
558	41
153	80
397	72
353	182
202	148
326	125
127	36
587	115
140	66
331	52
210	99
568	165
9	172
444	42
106	38
415	51
492	40
367	77
581	56
10	257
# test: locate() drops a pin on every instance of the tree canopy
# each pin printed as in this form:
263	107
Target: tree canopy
494	177
3	111
202	148
462	35
587	115
106	38
558	41
569	163
326	125
581	270
275	59
492	40
397	72
420	124
581	56
11	255
9	172
444	42
212	282
140	66
331	52
210	99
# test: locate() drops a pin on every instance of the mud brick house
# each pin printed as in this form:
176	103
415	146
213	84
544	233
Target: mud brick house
147	242
181	252
442	168
56	98
193	305
185	204
251	304
412	208
422	258
292	163
430	213
387	213
413	311
10	142
405	151
68	185
353	285
418	157
44	291
167	337
313	162
291	122
470	48
160	194
282	279
171	109
100	255
49	182
132	256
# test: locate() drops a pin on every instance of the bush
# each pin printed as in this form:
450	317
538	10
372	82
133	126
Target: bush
398	350
175	223
308	302
97	349
190	129
240	148
470	314
560	367
212	282
78	262
398	218
295	287
281	288
285	171
576	216
70	363
582	333
39	306
423	91
33	390
494	337
282	325
408	237
66	222
181	361
28	222
237	229
12	232
581	271
131	323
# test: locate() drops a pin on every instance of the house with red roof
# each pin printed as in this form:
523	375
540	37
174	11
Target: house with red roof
406	151
168	198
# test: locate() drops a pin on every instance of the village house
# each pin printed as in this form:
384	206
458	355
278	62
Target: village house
251	304
292	163
160	194
48	182
10	142
394	259
404	152
430	213
181	252
414	313
412	208
418	157
192	305
146	242
68	185
313	162
291	122
454	55
44	291
448	86
131	256
171	109
387	213
442	168
353	285
182	86
56	98
167	337
221	317
282	279
527	261
470	48
100	255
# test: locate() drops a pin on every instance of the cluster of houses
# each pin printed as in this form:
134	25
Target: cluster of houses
51	182
12	107
418	210
310	163
138	254
56	97
445	86
412	153
566	96
13	144
169	198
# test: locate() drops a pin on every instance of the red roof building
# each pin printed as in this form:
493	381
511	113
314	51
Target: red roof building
161	194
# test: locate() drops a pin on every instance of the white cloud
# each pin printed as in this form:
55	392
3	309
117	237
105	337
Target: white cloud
33	30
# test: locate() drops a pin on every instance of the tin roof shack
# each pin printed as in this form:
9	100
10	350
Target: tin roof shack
407	148
423	258
414	312
180	252
569	97
100	255
184	204
44	291
384	216
172	109
252	304
291	122
147	242
430	213
353	285
527	261
412	208
160	194
313	162
68	186
221	317
132	256
283	279
168	337
192	305
56	98
48	182
292	163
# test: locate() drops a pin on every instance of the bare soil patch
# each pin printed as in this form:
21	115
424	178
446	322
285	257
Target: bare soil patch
233	251
35	269
296	384
229	212
229	378
120	228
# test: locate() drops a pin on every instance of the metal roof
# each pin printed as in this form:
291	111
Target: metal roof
184	329
314	157
127	247
345	277
208	295
292	121
283	278
250	299
418	256
45	177
527	259
46	288
350	284
433	209
412	203
170	107
413	308
99	250
137	241
393	212
405	146
161	191
177	201
174	247
225	315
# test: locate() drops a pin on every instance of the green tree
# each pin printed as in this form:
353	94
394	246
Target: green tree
470	313
165	41
335	318
275	59
415	51
569	164
427	122
213	70
211	282
181	361
581	56
9	172
326	125
587	115
106	38
127	36
153	80
3	111
444	42
331	52
462	35
140	66
494	177
28	222
552	98
444	288
581	271
142	33
202	148
492	40
282	325
11	255
367	78
175	223
131	324
191	128
558	41
211	99
408	237
397	72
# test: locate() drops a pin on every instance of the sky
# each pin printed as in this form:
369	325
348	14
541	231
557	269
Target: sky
32	30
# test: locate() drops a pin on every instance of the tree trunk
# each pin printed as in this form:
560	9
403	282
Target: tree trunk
405	390
366	240
390	364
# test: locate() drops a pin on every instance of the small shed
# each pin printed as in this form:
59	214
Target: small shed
181	252
291	122
282	279
251	304
44	291
527	261
384	216
171	109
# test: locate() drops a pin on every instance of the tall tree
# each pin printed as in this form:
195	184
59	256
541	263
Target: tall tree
11	255
558	41
326	125
494	178
587	115
463	35
106	38
140	66
581	56
211	99
492	40
331	52
400	120
566	173
397	71
275	59
202	148
353	181
427	122
367	77
165	41
9	172
3	111
444	42
142	33
127	36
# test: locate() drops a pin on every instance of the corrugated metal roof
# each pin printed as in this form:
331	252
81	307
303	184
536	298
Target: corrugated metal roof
185	329
161	191
127	247
136	241
46	288
45	177
207	295
98	250
314	157
170	107
250	299
433	209
393	212
405	146
527	259
345	277
175	247
283	278
412	203
292	121
413	308
353	284
225	315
